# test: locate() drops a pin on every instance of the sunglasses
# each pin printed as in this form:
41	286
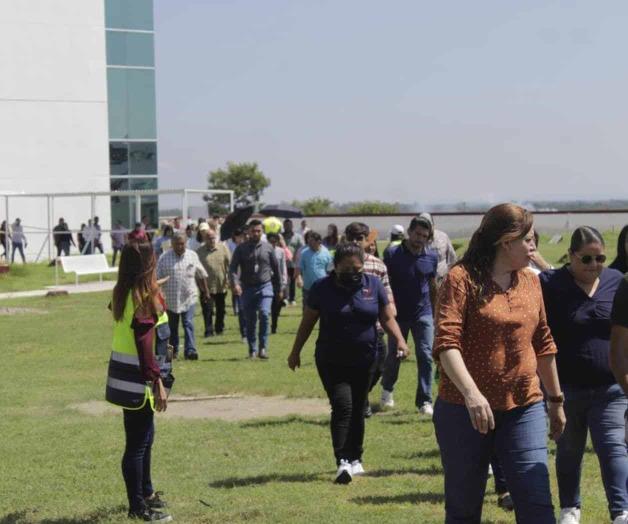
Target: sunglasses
587	259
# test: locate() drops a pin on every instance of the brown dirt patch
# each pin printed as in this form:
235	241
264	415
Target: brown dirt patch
9	311
223	407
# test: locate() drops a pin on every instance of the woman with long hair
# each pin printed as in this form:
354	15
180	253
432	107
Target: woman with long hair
578	298
621	260
492	346
134	382
331	239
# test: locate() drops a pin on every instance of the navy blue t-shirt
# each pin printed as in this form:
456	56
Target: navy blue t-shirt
410	276
347	333
580	325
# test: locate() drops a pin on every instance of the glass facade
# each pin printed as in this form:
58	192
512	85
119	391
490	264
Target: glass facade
132	118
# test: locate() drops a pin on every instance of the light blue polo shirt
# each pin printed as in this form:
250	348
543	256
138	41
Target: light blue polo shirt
314	265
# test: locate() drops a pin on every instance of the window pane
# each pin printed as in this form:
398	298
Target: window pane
118	158
150	208
143	183
131	49
131	103
123	208
129	14
143	156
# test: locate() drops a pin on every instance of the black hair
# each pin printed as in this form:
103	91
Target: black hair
621	261
584	235
272	236
424	223
313	235
356	229
255	222
346	250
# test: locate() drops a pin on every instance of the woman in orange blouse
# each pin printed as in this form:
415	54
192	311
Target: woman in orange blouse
492	345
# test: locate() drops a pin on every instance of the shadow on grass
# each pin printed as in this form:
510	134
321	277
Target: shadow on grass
428	453
284	422
99	514
413	498
216	342
379	473
242	482
226	359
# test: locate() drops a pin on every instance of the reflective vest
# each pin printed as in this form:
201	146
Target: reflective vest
125	385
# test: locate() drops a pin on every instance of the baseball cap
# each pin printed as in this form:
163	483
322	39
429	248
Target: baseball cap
397	229
427	217
203	226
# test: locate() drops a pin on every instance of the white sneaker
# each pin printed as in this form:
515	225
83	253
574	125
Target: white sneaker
387	400
621	519
490	470
343	475
569	516
426	409
357	468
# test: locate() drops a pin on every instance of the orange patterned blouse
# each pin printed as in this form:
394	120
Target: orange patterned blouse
500	339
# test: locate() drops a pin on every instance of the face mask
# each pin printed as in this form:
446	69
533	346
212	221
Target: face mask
350	280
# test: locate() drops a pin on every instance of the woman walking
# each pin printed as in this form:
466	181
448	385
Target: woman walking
349	303
492	340
578	299
134	381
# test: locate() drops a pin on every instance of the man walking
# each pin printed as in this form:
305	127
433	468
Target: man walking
215	258
97	236
255	277
314	263
412	269
443	247
182	267
118	239
294	242
63	238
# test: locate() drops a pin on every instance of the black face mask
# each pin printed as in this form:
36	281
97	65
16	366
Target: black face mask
350	280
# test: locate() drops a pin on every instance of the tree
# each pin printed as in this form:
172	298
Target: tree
245	179
314	206
372	207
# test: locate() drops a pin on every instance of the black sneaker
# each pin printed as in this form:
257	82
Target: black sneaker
156	502
192	355
368	412
150	515
505	502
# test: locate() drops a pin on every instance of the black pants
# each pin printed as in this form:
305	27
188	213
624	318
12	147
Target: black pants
382	353
63	247
217	299
347	389
275	312
292	290
139	428
116	250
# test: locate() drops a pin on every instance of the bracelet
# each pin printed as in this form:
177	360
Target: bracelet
558	399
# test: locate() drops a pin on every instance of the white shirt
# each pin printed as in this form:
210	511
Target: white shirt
180	290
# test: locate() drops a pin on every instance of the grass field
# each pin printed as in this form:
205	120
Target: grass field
60	466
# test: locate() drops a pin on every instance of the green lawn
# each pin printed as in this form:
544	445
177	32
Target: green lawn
60	466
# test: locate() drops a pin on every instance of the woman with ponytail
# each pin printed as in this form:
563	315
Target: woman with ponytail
492	346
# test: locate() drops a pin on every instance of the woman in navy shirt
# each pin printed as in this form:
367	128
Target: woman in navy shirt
578	300
349	303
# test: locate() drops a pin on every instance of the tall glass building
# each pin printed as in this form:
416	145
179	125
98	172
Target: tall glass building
130	38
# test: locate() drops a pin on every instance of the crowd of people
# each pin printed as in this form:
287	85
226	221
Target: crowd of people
518	345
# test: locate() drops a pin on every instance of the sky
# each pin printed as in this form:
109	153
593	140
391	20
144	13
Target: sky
408	101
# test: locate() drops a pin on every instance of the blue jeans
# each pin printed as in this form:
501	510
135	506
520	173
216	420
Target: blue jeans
139	428
519	440
423	336
257	301
599	410
187	319
18	246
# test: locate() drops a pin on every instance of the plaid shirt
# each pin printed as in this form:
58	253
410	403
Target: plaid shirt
180	290
374	266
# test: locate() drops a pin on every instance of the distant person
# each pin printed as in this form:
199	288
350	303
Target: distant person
148	228
349	303
164	242
62	238
89	237
139	233
215	257
134	382
304	229
441	243
315	263
81	239
412	269
183	268
294	242
190	232
176	225
621	260
255	276
280	254
236	239
3	239
578	300
118	240
537	262
331	239
18	240
97	236
397	234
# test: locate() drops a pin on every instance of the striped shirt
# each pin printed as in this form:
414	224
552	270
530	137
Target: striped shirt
180	289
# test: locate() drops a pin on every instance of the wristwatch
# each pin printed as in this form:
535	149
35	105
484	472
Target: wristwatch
558	399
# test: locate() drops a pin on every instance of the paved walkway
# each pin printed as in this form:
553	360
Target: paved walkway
88	287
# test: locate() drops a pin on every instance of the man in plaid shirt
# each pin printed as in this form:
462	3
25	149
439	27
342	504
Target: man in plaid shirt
182	267
358	233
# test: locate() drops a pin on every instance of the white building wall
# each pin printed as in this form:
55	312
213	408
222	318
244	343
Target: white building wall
53	109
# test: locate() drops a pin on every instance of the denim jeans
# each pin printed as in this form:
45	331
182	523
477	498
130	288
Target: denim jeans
139	428
187	319
520	442
18	246
257	301
239	312
599	410
423	336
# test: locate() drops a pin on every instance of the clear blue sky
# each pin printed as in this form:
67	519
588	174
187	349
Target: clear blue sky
411	101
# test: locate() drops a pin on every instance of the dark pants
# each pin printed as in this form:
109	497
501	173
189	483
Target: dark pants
187	319
347	389
98	246
292	288
599	410
139	428
498	474
239	312
274	313
63	247
116	250
520	442
218	300
382	352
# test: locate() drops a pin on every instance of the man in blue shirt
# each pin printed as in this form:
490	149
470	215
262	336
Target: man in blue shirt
412	269
314	263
